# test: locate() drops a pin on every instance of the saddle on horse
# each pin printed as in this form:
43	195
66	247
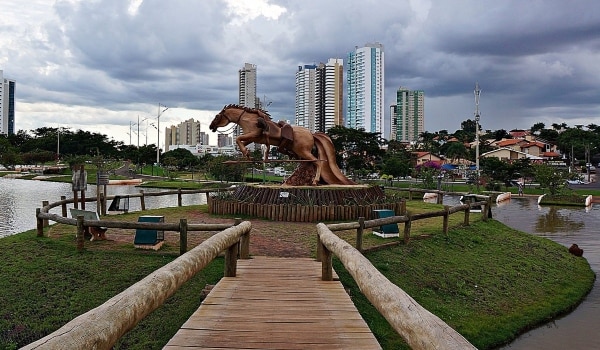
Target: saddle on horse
286	140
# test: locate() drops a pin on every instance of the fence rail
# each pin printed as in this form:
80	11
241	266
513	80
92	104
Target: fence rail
420	328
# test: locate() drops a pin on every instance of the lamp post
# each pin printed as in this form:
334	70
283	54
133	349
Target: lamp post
477	94
158	132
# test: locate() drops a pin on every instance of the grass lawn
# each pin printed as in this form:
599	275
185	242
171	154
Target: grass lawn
487	281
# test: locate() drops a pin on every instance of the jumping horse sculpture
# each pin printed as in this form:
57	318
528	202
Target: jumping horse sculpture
295	141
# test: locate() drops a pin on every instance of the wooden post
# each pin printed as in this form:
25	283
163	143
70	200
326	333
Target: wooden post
231	260
45	204
440	197
359	233
407	225
82	200
142	201
446	218
183	228
319	249
467	214
80	233
40	223
409	194
403	211
326	264
64	206
179	197
75	200
104	200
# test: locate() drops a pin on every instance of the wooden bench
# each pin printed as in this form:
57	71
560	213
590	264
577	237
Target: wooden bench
96	233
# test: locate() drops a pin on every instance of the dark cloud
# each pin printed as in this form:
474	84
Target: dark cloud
535	60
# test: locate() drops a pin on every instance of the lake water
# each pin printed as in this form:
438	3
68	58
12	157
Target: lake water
577	330
20	198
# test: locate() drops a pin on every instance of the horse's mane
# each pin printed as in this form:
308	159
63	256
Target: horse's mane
258	111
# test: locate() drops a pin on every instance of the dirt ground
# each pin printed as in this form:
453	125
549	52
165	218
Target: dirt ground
269	238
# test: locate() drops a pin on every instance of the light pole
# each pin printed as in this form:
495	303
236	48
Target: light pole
158	132
477	94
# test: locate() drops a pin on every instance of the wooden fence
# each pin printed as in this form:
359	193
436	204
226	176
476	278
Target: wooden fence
43	217
361	224
420	328
102	327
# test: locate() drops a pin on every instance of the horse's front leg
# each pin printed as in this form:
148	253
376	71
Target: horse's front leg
244	140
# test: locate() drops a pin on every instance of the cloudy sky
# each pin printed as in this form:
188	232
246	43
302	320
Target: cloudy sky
99	65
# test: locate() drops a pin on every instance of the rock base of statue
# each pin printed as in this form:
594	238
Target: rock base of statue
304	203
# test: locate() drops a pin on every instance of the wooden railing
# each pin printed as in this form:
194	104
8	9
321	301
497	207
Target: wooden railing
361	224
43	217
102	327
420	328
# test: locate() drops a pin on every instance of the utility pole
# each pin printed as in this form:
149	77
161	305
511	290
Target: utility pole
158	132
477	94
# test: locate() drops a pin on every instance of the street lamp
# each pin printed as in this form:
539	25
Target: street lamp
158	132
477	94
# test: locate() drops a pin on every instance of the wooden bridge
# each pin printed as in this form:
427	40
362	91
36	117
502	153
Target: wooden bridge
276	303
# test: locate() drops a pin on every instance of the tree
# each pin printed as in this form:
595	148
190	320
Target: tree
357	151
180	158
537	128
551	178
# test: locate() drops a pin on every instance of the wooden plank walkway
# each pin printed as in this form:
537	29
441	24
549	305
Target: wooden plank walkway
275	303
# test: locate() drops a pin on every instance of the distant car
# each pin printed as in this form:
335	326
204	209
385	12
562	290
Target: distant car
575	182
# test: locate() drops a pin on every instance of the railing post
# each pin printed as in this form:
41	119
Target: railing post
142	201
319	248
359	233
467	214
409	194
407	225
403	205
440	197
179	197
64	206
326	264
244	242
231	260
446	218
40	223
45	222
80	233
183	229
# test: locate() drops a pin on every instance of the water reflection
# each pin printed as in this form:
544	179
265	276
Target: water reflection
555	220
20	198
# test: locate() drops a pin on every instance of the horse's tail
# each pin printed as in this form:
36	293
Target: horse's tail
330	172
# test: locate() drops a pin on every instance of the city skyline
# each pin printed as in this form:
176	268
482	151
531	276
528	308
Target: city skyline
100	65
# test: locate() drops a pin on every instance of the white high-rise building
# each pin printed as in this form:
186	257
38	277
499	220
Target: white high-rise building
7	105
306	101
319	95
365	82
247	87
408	115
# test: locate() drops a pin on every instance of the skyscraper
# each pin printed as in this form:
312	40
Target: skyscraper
365	84
319	95
247	87
330	94
7	105
408	117
185	133
306	86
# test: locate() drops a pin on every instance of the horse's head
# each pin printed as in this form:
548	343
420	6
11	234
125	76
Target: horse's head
220	120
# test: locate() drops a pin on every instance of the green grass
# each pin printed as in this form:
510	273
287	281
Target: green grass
487	281
45	283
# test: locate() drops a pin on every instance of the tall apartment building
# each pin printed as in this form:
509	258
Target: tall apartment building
319	95
185	133
7	105
247	92
408	115
247	86
365	82
306	86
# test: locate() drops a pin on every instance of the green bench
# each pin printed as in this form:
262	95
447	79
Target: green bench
96	233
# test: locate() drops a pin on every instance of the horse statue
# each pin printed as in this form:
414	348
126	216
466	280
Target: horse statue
295	141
